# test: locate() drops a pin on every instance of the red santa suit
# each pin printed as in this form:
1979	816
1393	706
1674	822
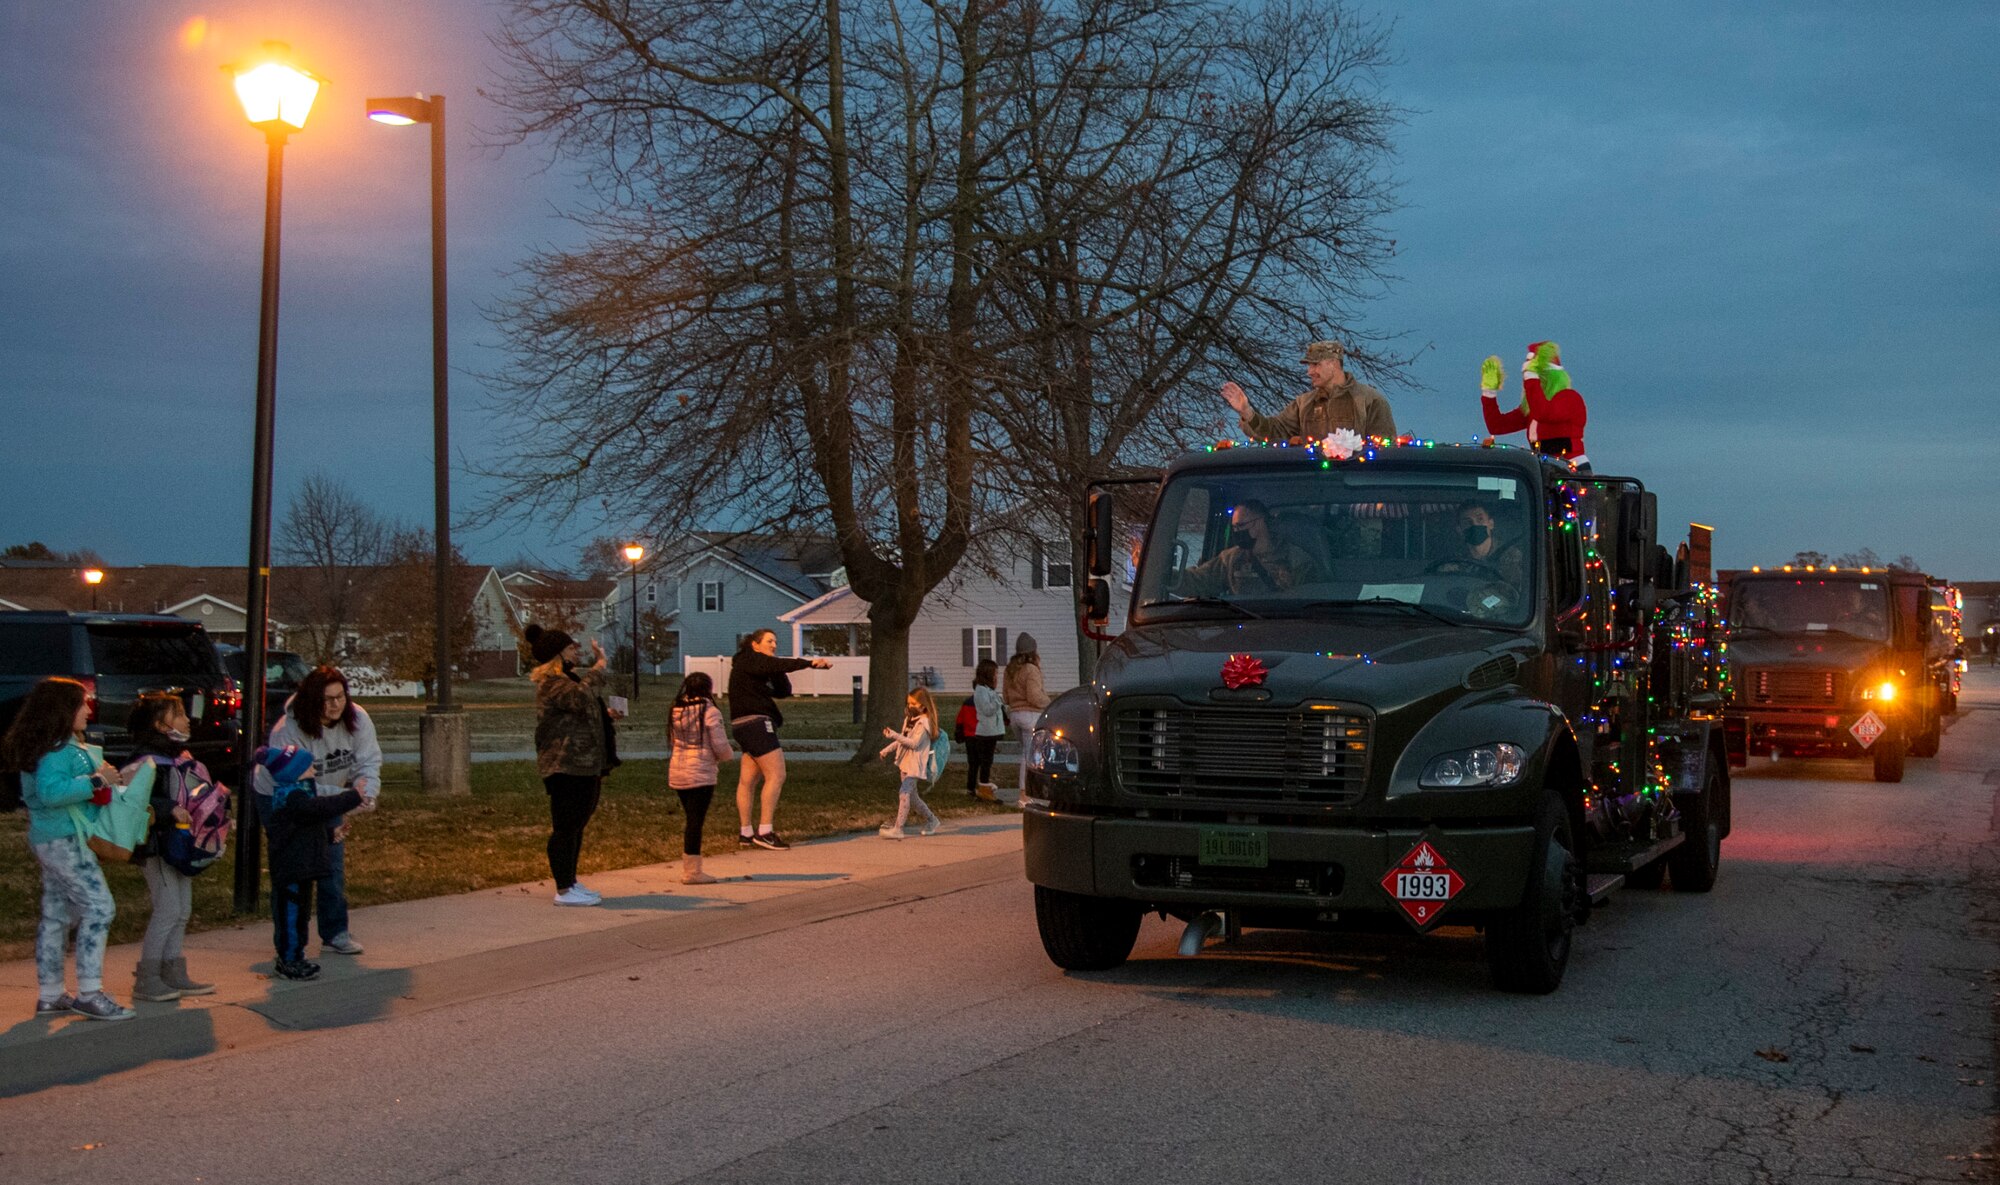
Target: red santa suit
1552	411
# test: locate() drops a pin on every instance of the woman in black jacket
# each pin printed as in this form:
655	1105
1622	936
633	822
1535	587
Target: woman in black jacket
756	682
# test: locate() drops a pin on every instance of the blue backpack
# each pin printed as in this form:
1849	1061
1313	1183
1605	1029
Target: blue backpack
940	756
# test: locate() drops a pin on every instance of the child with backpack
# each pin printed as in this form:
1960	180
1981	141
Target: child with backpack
299	823
59	773
915	760
159	729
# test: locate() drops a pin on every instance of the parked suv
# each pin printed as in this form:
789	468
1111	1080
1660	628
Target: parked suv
283	671
117	656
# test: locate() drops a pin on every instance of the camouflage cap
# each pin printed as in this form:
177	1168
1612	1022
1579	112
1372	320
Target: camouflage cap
1325	352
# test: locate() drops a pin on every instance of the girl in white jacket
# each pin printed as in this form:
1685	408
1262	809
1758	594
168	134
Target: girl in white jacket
912	750
694	728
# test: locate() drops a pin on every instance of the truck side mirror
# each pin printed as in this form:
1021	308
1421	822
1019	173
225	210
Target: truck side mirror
1097	542
1097	599
1638	523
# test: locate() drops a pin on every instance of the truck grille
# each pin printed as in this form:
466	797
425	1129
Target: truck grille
1296	755
1794	687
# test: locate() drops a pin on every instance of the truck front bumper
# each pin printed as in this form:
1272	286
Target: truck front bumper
1807	732
1315	868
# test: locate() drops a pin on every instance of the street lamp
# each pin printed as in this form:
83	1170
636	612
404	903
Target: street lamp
93	577
445	736
635	553
276	97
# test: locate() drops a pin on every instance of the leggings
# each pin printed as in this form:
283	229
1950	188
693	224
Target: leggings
173	901
572	800
694	801
979	761
907	794
74	895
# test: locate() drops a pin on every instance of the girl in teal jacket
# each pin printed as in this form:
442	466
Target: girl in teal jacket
58	774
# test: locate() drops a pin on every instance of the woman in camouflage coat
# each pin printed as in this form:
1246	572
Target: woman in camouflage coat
570	750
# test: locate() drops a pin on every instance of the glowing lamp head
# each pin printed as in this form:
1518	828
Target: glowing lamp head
634	553
400	111
93	576
274	93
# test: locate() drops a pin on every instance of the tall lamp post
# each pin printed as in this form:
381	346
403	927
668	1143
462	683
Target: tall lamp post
276	97
93	577
445	736
635	553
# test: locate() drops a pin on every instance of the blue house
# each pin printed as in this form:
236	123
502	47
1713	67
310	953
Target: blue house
697	595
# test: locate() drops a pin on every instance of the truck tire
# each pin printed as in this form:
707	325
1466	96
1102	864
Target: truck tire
1926	742
1085	933
1527	947
1694	863
1889	761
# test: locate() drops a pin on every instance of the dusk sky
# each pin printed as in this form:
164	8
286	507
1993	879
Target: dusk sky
1765	237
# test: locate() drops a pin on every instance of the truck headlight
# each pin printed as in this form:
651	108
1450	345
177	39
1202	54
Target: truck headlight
1881	692
1048	752
1488	765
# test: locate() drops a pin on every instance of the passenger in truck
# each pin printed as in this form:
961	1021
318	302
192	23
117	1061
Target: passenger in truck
1257	561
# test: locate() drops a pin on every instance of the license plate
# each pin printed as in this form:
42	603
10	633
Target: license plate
1235	847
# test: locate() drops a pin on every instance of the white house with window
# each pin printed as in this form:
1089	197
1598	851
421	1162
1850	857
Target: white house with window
972	616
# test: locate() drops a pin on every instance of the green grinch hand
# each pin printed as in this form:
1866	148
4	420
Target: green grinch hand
1490	376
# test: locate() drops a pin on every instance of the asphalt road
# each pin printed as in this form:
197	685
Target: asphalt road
1827	1013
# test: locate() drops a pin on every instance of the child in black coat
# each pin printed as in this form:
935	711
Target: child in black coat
299	824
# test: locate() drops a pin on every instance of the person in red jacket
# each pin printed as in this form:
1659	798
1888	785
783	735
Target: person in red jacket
1552	411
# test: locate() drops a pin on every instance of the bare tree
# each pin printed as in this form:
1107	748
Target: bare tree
336	539
842	255
399	615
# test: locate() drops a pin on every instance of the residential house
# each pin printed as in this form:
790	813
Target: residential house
709	588
585	608
975	614
216	597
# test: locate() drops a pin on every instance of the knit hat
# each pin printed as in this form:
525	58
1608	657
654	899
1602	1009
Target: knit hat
1024	643
287	763
546	644
1325	352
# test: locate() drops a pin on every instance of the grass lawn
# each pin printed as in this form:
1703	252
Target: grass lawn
502	714
417	846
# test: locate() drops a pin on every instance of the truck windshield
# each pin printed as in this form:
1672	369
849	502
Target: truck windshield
1454	544
1801	606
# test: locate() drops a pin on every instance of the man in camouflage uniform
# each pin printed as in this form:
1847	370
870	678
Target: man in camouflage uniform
1255	562
1335	401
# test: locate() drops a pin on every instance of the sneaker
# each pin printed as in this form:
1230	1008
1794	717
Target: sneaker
341	944
747	843
55	1007
772	841
98	1006
299	969
587	891
933	827
891	831
988	792
570	896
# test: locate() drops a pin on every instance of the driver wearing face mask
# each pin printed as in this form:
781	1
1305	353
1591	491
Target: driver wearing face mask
1481	550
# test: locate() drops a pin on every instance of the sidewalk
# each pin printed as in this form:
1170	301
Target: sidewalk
443	950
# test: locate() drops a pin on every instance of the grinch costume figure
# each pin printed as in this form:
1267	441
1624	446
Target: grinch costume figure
1551	410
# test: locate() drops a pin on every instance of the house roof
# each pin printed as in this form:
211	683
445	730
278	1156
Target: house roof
548	586
837	607
798	564
166	588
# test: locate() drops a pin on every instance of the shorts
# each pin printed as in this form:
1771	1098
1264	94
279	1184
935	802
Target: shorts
756	736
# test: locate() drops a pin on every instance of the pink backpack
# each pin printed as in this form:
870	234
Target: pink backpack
194	845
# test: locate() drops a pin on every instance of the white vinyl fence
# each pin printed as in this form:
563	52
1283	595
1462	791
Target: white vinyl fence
836	680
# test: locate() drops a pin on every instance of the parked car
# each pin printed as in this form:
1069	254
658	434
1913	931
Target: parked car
116	656
283	672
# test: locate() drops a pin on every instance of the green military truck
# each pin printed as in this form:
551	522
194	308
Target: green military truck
1855	663
1407	687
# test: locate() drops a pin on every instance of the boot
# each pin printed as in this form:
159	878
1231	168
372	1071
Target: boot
147	984
175	972
691	873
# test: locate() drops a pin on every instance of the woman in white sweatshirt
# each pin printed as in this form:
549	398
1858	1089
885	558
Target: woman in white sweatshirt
694	731
323	720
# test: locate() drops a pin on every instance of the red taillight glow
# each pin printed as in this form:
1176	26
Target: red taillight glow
230	698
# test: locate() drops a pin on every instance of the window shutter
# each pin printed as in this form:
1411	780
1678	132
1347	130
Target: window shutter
1035	566
1000	645
970	653
719	586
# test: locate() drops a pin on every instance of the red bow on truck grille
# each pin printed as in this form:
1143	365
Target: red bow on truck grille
1244	670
